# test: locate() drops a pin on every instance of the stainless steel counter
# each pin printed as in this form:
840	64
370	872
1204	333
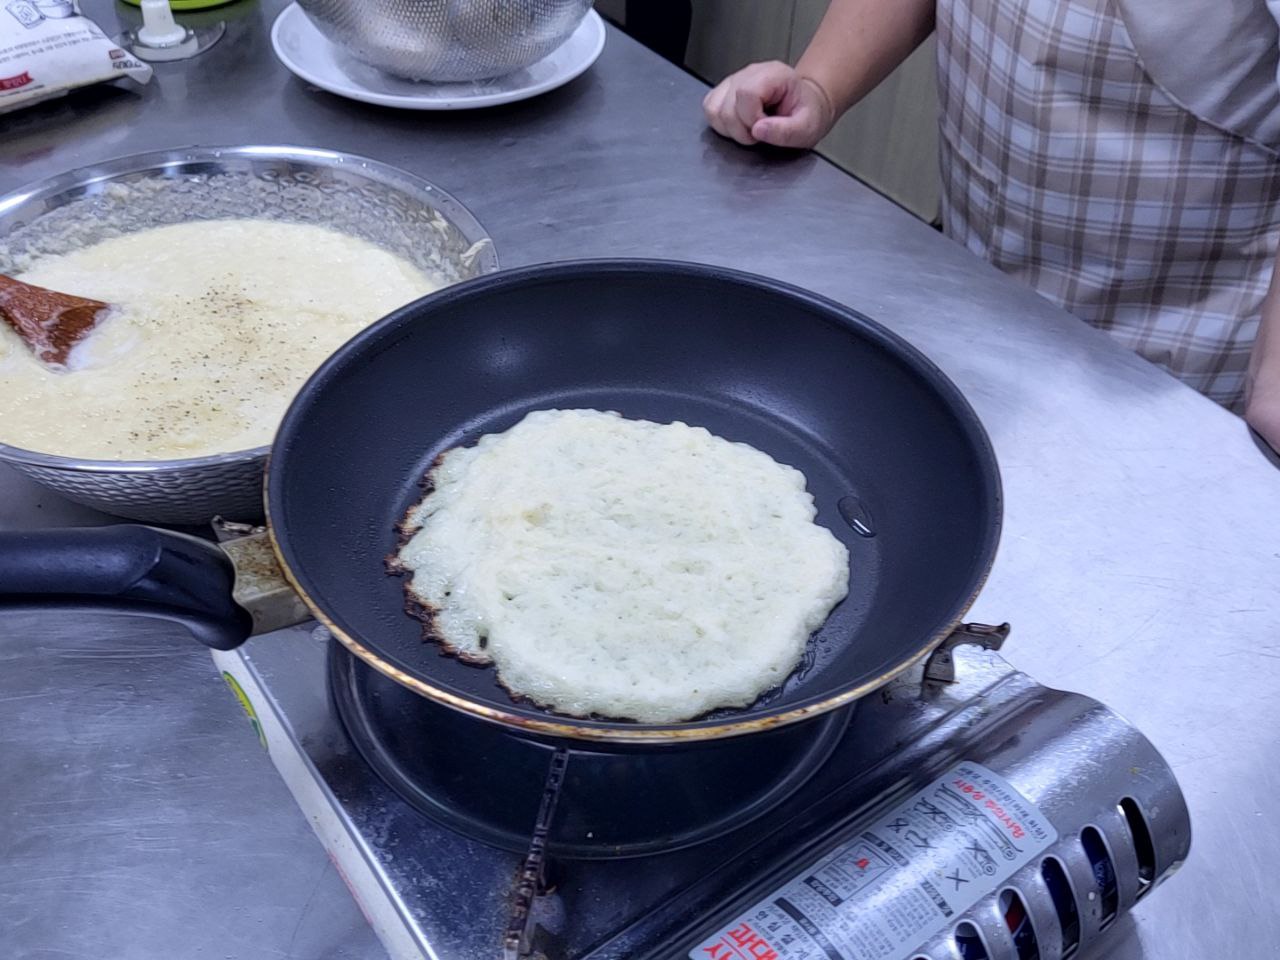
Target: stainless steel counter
1140	560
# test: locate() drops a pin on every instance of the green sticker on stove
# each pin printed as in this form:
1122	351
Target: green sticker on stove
249	712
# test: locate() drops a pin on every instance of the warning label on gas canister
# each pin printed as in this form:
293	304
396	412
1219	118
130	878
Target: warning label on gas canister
898	882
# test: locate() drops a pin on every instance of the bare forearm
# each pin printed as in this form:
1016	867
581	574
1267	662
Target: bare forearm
1262	392
1266	349
860	42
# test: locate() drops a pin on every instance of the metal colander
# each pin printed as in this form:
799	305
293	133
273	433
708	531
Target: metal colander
447	41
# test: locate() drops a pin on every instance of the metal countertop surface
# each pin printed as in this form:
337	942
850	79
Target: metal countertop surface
1140	559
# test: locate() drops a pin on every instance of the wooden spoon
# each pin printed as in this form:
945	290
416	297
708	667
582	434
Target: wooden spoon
50	323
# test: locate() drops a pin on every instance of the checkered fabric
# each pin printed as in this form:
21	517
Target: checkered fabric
1067	167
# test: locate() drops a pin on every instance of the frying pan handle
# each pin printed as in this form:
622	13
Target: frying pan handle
129	569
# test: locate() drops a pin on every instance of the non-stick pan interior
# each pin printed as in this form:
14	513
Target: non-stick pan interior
808	382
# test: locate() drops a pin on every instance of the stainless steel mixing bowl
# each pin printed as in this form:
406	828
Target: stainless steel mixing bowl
447	40
364	198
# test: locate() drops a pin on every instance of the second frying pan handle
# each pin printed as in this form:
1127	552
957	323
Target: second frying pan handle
130	569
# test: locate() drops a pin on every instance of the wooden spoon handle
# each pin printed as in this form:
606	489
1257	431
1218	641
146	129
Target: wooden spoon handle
49	322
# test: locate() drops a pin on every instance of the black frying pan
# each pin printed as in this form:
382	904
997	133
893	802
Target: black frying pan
900	467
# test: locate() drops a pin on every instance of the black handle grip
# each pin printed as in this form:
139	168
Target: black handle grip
126	568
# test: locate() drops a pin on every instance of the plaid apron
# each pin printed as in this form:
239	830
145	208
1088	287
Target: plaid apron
1067	167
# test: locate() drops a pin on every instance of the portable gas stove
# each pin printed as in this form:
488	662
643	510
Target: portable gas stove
966	812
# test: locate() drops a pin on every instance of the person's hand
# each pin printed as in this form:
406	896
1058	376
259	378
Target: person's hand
770	103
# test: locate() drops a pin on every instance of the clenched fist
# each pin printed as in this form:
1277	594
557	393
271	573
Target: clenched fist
770	103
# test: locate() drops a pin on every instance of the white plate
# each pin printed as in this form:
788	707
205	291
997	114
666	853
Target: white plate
305	51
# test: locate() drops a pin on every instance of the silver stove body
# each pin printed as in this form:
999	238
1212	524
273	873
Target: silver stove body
429	892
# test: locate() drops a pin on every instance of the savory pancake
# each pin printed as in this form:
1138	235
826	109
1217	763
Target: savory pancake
621	568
